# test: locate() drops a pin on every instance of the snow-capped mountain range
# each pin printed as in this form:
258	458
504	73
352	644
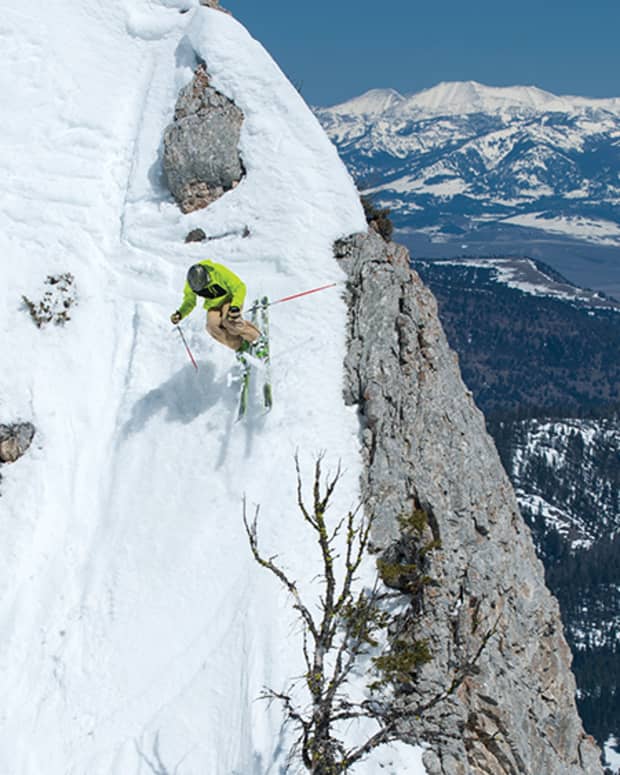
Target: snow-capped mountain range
459	97
462	157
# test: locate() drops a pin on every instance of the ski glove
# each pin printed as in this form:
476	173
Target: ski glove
234	314
175	317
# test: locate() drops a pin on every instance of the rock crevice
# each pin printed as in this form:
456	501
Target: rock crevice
425	443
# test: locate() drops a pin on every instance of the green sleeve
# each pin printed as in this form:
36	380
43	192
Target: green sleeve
233	284
189	301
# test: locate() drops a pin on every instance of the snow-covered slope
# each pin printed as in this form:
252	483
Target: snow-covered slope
462	157
136	629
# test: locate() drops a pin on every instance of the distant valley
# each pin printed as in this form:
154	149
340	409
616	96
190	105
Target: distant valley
527	339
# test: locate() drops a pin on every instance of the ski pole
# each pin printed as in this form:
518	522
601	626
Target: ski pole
303	293
189	352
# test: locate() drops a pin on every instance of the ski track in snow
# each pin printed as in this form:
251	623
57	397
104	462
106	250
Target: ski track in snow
137	631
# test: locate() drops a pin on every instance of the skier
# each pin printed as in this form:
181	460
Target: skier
223	293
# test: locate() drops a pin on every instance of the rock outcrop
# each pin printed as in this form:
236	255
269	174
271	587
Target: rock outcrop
15	440
196	235
201	158
214	4
493	628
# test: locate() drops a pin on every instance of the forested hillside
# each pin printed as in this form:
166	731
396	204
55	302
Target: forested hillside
520	350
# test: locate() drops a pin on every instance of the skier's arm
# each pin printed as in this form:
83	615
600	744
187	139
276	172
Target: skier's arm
189	301
233	284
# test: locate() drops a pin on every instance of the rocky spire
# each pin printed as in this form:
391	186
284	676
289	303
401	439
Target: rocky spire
484	603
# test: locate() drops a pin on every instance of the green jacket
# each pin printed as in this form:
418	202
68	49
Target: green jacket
224	287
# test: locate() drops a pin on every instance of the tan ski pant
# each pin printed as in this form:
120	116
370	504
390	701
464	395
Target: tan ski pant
229	332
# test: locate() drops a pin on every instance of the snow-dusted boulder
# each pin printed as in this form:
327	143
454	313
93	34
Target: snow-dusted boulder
15	440
196	235
201	156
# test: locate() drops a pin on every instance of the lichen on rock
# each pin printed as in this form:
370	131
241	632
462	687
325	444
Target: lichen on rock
201	159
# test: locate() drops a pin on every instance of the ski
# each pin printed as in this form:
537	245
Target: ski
257	355
263	353
245	384
246	371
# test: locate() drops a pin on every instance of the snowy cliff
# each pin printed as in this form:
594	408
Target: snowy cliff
137	630
135	624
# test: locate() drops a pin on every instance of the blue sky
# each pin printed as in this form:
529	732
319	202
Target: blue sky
337	50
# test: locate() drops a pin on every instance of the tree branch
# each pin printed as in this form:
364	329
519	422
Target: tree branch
347	627
270	565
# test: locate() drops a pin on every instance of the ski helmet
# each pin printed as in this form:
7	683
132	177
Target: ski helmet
198	277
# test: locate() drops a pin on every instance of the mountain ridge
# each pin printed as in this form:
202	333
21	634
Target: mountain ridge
470	97
463	167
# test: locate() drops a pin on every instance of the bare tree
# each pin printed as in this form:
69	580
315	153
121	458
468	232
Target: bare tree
348	626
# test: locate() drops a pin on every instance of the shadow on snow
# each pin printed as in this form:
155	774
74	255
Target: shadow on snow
182	398
187	395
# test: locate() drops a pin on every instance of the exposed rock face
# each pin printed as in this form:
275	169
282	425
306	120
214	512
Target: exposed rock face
15	440
426	443
201	157
214	4
196	235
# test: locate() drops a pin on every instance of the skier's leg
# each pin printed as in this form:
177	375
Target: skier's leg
215	327
243	328
247	331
